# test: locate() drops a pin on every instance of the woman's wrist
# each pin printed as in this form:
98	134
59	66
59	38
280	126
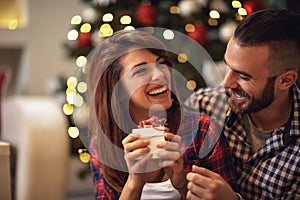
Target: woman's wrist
182	189
181	186
134	182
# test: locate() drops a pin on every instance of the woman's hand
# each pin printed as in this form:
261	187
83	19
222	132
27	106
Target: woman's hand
172	161
205	184
141	167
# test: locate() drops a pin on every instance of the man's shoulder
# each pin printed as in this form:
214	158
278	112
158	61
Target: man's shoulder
207	97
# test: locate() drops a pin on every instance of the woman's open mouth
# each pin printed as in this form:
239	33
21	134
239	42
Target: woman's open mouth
158	91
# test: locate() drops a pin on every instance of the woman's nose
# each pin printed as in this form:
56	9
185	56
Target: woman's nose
157	73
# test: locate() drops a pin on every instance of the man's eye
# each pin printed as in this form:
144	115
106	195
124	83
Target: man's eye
246	78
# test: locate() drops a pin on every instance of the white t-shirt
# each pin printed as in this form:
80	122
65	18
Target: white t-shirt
257	138
160	191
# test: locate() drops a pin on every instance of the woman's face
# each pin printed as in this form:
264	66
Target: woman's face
147	80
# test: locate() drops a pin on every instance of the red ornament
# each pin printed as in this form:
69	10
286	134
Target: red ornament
84	40
200	34
252	6
146	14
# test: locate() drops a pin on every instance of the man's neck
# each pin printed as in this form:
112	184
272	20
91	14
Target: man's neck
274	116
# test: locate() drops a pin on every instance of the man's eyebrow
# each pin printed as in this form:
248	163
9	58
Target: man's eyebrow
237	71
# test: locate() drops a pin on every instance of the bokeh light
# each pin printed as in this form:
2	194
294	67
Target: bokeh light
168	35
174	10
85	28
182	57
82	87
72	82
191	84
84	156
68	109
108	17
73	132
76	20
72	35
81	61
126	19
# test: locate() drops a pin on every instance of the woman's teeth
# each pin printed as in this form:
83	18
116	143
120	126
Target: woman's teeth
158	91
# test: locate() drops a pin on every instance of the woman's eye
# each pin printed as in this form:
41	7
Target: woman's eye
163	64
139	71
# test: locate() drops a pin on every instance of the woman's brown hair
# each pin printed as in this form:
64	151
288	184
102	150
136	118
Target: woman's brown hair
109	123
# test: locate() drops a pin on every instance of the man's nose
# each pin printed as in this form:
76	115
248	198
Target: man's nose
229	80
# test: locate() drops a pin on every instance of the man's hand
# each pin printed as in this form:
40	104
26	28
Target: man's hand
205	184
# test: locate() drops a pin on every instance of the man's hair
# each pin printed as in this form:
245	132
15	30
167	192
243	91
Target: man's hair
277	28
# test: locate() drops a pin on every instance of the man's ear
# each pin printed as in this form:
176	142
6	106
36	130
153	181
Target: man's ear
287	79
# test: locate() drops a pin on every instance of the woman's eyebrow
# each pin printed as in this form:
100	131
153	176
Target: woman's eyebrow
158	58
139	64
143	63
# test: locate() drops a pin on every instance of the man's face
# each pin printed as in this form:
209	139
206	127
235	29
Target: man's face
252	87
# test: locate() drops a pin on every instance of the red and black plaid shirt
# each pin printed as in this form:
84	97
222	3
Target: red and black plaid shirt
202	145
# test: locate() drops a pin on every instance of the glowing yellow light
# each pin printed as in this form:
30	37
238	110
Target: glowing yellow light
81	61
214	14
238	17
191	84
84	156
78	100
72	35
242	11
125	19
174	10
72	82
73	132
189	28
105	30
212	22
182	57
168	35
236	4
129	28
68	109
71	97
108	17
76	19
13	24
70	90
85	28
82	87
105	26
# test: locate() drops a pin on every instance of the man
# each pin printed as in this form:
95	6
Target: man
262	114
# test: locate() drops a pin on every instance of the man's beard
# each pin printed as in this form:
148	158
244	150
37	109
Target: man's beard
253	104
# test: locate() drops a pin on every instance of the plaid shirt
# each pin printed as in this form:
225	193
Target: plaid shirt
202	145
273	172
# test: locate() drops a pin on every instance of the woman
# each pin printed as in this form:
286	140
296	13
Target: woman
129	80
